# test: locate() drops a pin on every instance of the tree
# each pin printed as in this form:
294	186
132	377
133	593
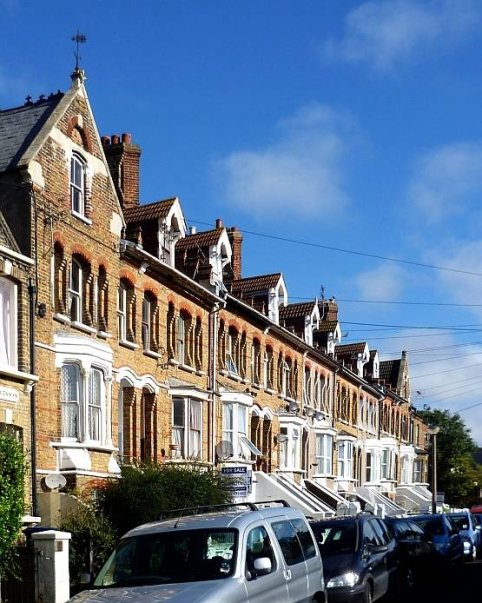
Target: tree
143	493
457	472
12	492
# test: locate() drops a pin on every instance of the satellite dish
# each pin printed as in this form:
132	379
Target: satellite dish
55	481
224	449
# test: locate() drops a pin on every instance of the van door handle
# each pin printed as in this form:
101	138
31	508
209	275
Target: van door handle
287	574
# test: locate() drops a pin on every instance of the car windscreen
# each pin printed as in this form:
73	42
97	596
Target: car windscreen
336	538
169	557
461	521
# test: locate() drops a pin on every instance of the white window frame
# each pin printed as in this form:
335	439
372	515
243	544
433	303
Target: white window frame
235	423
181	339
71	404
84	415
78	171
290	447
122	311
188	434
231	348
345	459
324	453
146	323
76	301
8	323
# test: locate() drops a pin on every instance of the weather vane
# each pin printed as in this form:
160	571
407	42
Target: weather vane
79	38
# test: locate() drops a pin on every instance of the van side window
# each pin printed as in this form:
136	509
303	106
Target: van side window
289	542
305	538
258	544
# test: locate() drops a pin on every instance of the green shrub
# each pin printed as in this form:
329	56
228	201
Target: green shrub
12	492
143	493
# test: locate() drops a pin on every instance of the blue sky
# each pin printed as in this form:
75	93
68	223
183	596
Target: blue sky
346	135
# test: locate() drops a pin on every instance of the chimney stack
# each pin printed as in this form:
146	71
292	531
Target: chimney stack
236	240
123	158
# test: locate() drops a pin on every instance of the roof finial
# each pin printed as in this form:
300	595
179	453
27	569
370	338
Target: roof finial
79	38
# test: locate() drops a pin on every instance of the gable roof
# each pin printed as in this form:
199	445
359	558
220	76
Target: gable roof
20	126
150	211
390	372
255	284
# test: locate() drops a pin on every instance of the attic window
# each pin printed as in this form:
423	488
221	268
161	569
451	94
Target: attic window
77	185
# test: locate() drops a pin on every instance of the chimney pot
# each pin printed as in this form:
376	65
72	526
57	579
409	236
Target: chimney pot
105	141
115	139
126	138
219	223
193	230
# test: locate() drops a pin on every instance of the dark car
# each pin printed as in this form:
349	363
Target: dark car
467	527
477	517
416	552
359	556
444	535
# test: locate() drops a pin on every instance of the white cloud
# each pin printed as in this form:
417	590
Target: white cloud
386	282
446	181
300	173
389	32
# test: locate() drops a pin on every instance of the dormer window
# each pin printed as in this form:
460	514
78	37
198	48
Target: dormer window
77	185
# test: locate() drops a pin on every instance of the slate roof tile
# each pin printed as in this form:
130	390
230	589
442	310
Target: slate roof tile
20	126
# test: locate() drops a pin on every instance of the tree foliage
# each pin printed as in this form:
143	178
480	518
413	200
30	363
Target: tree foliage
458	475
92	541
143	493
12	492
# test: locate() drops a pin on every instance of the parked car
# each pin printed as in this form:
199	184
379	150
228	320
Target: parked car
442	532
359	557
469	533
477	517
248	553
415	551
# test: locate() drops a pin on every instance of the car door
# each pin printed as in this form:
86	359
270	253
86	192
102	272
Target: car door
376	558
295	572
456	553
267	587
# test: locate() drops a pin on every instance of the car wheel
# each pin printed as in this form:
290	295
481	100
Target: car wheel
367	596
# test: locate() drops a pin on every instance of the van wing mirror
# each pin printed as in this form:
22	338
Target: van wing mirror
262	566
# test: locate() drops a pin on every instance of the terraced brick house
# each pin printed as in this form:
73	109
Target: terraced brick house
150	344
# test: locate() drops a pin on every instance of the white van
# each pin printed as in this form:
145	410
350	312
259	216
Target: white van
249	552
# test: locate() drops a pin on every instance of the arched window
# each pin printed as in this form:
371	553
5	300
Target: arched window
149	323
126	312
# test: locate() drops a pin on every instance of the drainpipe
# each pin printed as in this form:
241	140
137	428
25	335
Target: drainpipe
32	292
212	388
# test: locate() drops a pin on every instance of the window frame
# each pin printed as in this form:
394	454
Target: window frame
77	184
9	327
188	433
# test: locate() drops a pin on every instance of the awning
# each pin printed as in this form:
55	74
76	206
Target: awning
249	446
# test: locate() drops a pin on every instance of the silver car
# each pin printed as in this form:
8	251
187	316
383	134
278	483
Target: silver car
245	553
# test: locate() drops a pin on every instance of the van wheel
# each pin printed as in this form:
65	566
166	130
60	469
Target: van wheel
367	596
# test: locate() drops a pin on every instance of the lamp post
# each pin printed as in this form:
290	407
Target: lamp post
433	431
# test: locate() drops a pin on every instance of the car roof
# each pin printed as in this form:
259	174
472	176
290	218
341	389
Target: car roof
227	519
360	517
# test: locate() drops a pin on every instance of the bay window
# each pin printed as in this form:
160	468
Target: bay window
187	427
345	459
324	453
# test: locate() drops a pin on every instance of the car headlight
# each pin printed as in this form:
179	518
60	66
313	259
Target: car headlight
467	545
349	579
